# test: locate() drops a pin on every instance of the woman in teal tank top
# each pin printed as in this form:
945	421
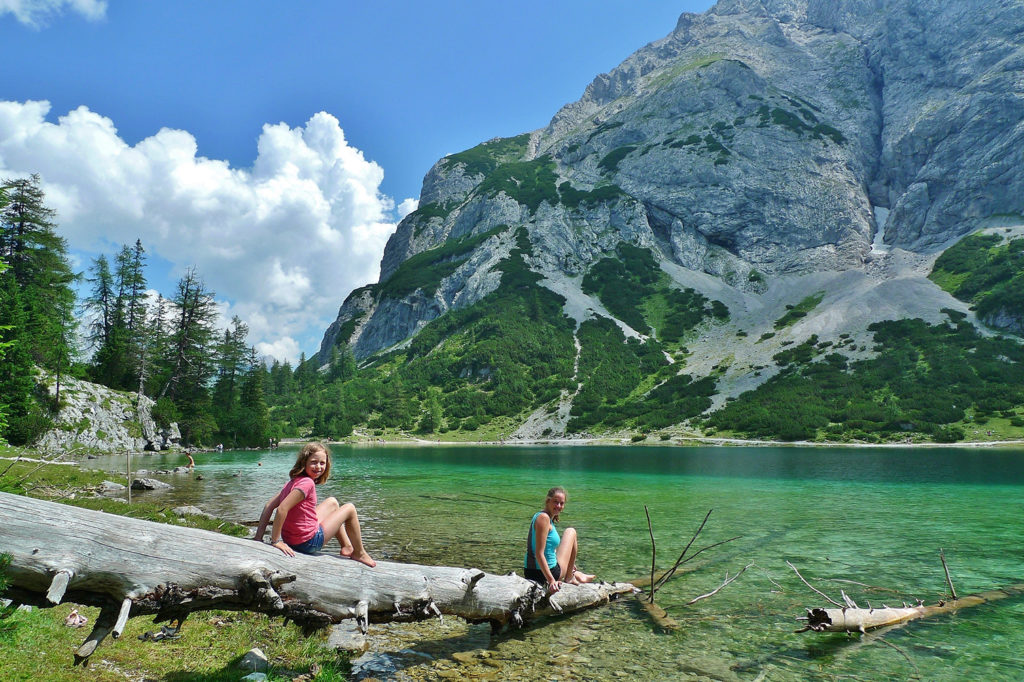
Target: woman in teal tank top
548	555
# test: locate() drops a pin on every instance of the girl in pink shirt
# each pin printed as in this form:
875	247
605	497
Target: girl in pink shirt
301	524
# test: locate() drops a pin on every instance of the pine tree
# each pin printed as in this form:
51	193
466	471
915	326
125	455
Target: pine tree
130	320
100	303
188	366
157	347
232	364
17	370
106	334
38	262
254	415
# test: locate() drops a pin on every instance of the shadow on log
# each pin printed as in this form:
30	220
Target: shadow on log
130	567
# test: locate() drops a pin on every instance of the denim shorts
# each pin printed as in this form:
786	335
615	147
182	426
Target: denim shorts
312	545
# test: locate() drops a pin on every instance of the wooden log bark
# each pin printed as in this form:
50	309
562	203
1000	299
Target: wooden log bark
860	620
125	565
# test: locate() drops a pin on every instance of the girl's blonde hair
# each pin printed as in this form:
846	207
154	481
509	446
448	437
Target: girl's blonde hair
307	451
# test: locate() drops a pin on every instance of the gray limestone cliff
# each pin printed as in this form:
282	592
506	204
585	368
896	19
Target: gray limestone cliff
761	138
95	418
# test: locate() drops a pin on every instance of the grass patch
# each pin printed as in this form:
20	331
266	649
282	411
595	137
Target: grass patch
528	182
485	158
799	310
574	198
210	645
426	269
928	382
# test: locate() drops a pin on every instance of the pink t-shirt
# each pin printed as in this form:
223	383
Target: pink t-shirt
300	524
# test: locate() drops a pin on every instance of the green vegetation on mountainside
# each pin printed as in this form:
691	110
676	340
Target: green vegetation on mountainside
426	269
929	381
528	182
986	272
795	312
630	384
484	158
507	353
635	290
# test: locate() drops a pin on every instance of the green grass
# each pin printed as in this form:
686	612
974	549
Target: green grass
927	382
672	73
573	198
485	158
40	646
799	310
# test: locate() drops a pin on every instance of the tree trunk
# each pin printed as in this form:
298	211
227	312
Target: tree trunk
130	567
859	620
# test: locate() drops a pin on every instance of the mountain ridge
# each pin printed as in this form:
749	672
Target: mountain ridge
761	152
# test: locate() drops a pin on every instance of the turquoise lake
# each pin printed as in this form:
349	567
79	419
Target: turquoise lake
867	521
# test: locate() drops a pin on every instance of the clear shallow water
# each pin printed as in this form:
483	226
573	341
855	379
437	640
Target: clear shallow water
874	516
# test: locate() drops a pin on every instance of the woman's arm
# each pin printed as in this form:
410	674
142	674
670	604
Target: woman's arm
293	498
268	509
541	528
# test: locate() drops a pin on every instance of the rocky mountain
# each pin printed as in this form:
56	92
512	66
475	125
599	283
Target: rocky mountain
769	156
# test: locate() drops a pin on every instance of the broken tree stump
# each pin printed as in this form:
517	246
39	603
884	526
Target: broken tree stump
131	567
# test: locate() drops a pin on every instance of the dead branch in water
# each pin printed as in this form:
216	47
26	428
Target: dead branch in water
719	588
851	618
658	615
654	553
949	581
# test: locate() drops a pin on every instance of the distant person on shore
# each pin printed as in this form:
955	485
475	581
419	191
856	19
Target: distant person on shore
549	557
301	524
191	462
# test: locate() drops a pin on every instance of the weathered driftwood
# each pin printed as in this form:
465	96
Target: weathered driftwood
130	567
855	619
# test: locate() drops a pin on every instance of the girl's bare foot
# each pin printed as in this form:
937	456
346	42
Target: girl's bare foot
581	577
346	551
364	558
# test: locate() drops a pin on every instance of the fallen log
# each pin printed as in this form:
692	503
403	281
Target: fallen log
855	619
130	567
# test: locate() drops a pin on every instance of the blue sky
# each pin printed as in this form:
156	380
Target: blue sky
274	146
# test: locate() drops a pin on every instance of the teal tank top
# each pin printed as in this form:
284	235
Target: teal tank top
549	548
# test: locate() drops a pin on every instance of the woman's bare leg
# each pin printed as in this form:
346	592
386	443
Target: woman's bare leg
345	523
566	553
324	510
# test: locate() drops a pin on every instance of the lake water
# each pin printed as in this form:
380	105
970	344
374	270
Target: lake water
869	522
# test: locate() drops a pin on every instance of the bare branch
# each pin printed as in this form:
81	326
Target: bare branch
952	590
654	549
827	598
719	588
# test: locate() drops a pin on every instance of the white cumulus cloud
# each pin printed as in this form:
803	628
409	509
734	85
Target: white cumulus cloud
283	242
36	13
407	207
